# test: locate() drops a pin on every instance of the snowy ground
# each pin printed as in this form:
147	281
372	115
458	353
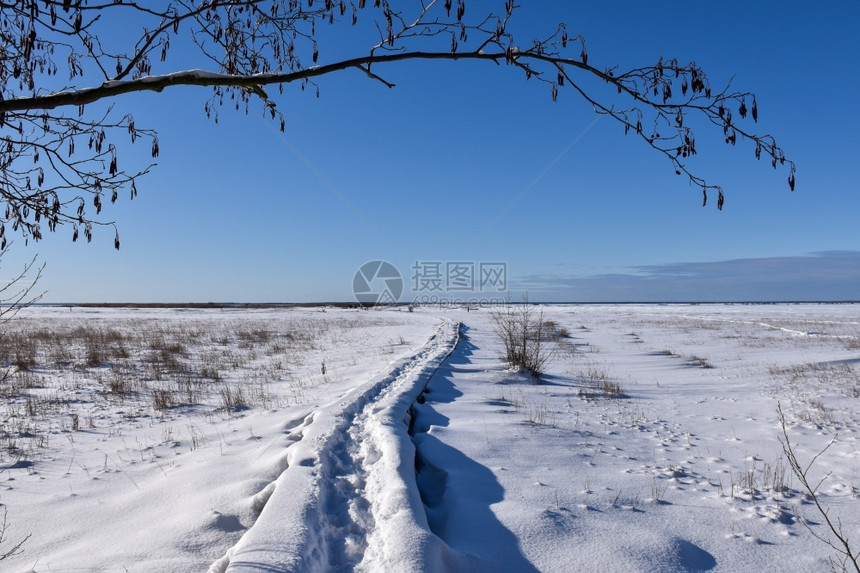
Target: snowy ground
288	440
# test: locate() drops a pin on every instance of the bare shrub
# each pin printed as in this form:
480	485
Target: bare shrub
25	353
233	399
162	400
211	373
119	385
699	361
524	333
94	357
596	383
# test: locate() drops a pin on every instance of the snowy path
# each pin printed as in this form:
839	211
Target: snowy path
347	498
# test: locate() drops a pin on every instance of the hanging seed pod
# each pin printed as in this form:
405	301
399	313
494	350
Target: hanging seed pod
583	54
116	241
560	78
720	200
155	147
791	181
755	111
75	234
743	109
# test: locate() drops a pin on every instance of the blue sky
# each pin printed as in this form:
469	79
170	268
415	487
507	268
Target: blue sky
469	162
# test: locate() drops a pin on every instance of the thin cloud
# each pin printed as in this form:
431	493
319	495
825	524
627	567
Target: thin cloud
822	276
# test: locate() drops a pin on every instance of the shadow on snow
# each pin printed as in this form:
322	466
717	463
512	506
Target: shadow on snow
457	491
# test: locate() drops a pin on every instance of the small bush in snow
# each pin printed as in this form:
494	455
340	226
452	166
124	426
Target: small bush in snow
525	334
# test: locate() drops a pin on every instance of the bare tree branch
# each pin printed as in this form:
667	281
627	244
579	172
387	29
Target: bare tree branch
240	46
15	549
839	541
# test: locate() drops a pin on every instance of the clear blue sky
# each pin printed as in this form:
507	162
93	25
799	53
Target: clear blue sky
447	167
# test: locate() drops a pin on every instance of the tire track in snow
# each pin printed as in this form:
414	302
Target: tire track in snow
347	499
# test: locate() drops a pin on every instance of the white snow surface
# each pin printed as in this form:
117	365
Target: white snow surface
311	439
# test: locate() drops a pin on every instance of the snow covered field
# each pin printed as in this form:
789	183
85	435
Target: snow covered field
340	440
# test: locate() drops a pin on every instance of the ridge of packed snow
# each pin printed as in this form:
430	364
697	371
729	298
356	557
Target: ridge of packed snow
348	483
